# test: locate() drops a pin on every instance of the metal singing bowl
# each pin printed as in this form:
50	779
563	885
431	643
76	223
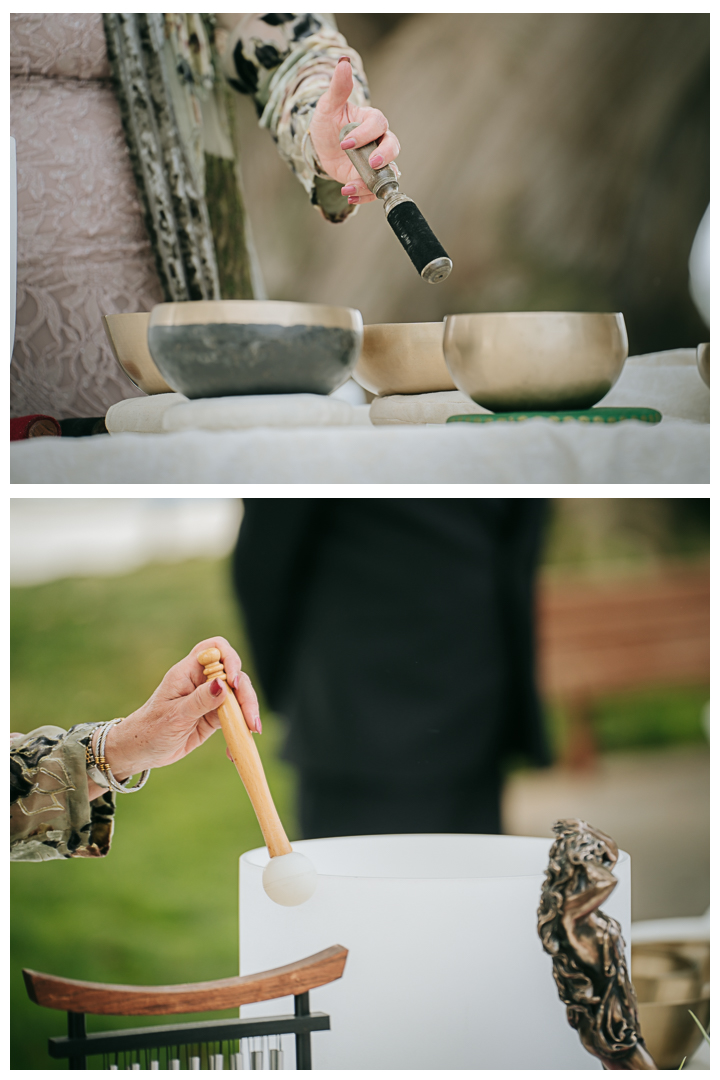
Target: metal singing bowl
703	362
661	974
670	980
669	1031
535	360
403	358
127	335
216	348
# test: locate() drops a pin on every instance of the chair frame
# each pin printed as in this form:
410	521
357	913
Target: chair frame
80	999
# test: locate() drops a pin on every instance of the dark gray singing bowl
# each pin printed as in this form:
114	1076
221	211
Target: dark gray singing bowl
222	348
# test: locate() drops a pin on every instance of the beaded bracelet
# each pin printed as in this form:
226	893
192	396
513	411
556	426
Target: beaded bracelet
99	761
91	765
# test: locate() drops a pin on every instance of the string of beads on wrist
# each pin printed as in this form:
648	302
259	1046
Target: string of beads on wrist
97	760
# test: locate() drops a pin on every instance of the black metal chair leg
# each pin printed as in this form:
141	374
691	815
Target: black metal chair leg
303	1059
76	1030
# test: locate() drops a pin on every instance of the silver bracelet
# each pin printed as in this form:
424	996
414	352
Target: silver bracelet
104	767
91	764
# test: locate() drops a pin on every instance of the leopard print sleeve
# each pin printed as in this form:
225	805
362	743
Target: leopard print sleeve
285	62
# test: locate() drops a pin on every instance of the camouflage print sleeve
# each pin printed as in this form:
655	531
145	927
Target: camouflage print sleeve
51	816
286	62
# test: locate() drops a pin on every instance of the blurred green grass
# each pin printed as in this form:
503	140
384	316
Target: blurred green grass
163	907
639	719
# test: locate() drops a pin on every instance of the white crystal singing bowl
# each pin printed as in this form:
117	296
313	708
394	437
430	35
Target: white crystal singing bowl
445	967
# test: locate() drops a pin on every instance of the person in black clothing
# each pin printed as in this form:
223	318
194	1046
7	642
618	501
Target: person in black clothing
396	637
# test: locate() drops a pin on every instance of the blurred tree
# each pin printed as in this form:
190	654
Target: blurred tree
600	531
366	31
562	159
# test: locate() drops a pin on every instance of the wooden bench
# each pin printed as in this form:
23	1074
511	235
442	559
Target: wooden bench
601	636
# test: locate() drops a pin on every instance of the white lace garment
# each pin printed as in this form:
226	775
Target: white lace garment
83	251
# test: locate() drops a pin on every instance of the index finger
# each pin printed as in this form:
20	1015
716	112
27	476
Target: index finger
372	126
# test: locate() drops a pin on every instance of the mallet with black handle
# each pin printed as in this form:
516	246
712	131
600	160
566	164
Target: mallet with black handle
429	257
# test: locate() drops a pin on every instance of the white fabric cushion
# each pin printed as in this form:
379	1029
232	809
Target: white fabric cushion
142	414
267	410
667	381
422	408
175	412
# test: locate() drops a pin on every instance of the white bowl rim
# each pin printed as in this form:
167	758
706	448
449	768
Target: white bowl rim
384	325
259	857
274	312
533	314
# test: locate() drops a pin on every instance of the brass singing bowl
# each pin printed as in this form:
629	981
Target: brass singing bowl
218	348
669	1031
661	974
671	981
535	360
703	362
127	335
403	358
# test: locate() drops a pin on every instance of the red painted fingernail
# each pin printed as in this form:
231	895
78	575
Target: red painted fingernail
376	161
344	58
353	200
258	725
347	144
216	688
349	190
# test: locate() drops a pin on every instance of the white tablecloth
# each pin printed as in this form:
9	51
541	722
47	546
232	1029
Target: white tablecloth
534	452
538	451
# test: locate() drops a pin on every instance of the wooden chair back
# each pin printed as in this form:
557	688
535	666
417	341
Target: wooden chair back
189	1042
605	636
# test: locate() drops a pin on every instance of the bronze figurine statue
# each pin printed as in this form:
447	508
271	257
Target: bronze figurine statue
587	948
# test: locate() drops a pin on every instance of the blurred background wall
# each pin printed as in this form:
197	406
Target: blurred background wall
562	160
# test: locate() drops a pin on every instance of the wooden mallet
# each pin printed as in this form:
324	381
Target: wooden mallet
289	878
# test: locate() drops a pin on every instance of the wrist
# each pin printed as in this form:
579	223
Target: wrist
122	759
121	751
310	156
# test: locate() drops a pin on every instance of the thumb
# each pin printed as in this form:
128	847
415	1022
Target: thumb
204	699
341	86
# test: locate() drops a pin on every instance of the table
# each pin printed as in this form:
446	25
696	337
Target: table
537	451
534	452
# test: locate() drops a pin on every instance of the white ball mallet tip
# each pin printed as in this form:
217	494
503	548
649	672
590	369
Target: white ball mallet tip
289	879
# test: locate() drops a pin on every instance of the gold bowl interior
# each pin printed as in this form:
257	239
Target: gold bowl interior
283	313
127	335
660	974
403	358
669	1031
535	360
671	979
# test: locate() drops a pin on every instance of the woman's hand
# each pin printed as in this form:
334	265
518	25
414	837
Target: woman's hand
332	112
180	715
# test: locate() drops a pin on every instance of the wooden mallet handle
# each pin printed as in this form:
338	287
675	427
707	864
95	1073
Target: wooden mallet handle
246	758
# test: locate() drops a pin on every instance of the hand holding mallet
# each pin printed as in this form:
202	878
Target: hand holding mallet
289	878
